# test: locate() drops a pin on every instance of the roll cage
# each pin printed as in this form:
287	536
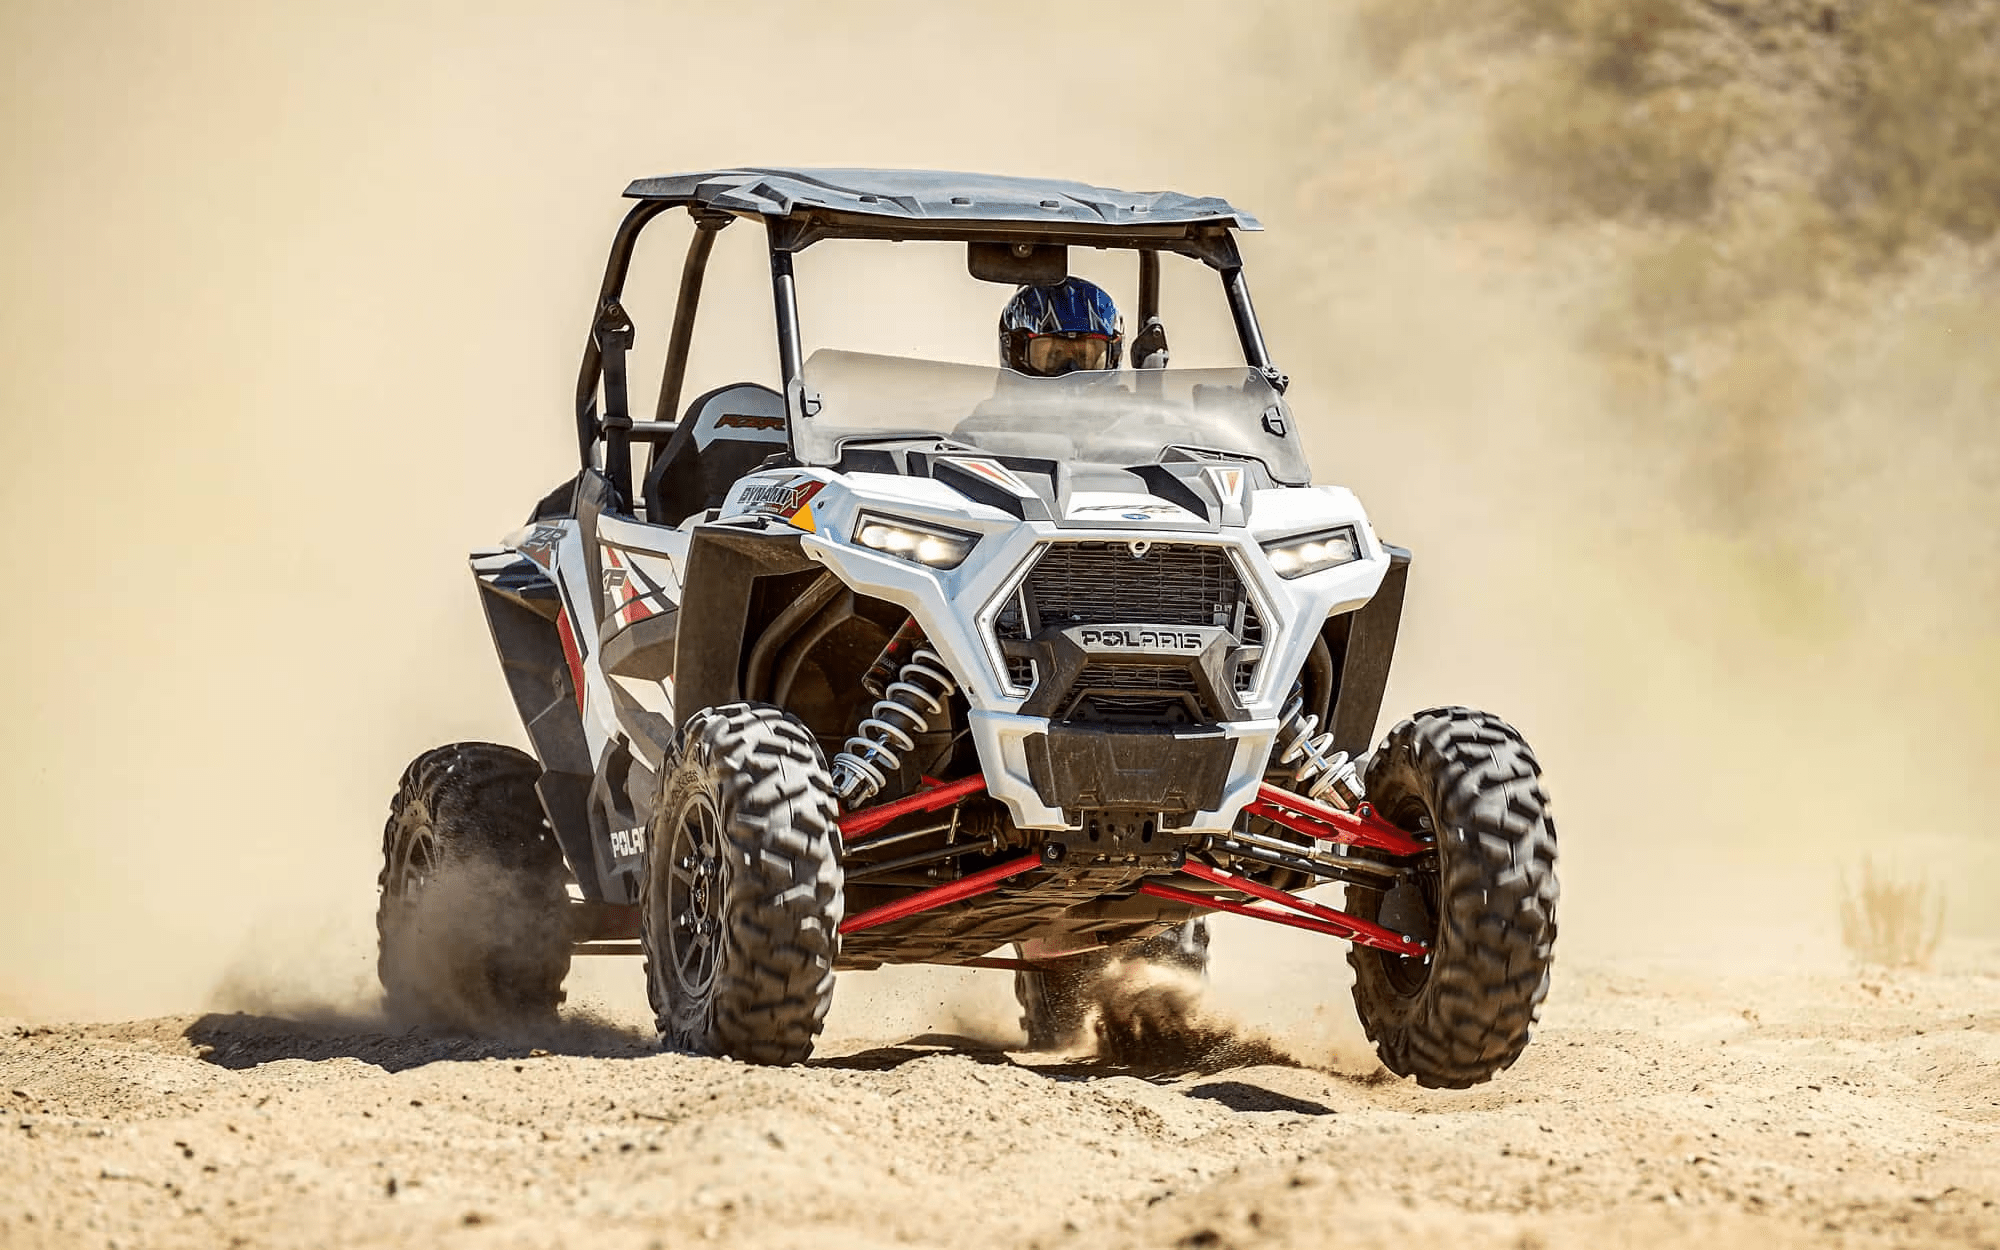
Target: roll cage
803	207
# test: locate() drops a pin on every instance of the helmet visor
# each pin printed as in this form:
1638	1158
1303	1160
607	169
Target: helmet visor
1051	354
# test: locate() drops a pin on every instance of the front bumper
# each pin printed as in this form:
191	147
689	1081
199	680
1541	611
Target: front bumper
1208	774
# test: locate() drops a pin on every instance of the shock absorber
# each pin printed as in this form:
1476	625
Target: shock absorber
904	709
1317	770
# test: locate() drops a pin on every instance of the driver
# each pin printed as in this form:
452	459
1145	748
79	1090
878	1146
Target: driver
1046	331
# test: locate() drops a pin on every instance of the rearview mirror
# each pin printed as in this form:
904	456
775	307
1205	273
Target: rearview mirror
1018	264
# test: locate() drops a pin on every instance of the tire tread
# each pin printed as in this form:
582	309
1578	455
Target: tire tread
783	897
1498	890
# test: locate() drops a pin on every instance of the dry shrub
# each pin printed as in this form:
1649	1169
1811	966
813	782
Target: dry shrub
1890	922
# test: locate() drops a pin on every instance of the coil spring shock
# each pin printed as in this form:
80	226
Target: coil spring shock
1317	770
905	710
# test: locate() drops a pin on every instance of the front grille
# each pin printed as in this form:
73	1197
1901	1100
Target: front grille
1252	635
1103	583
1114	676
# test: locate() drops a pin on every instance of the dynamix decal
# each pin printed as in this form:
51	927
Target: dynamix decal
790	500
1118	639
777	496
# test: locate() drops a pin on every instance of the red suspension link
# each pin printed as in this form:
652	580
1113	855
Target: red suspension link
951	892
1208	902
1361	827
943	794
1362	932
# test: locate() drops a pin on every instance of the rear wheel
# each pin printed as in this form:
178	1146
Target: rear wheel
473	919
1056	1000
1486	903
740	906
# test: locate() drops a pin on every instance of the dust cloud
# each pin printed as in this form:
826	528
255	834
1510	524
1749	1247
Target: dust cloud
1700	475
294	297
1146	1016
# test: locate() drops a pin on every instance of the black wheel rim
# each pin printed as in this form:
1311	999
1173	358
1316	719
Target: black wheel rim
1412	907
419	856
694	898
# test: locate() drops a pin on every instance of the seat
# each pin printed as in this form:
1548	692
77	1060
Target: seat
726	433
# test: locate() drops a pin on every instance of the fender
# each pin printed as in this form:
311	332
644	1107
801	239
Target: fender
726	561
522	606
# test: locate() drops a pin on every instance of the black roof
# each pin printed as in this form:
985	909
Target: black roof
936	196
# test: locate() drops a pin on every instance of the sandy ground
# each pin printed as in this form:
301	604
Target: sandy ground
263	295
1657	1107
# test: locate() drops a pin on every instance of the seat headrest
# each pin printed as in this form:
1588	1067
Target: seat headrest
743	413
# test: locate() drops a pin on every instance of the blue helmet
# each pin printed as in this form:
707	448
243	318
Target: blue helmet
1050	330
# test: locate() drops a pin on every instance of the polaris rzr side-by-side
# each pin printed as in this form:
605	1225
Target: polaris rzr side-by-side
1029	666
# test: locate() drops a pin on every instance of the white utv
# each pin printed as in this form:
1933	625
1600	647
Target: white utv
901	661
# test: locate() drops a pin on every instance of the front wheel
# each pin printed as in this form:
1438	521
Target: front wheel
741	903
1486	903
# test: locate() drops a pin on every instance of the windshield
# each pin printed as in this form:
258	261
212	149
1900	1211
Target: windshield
1112	417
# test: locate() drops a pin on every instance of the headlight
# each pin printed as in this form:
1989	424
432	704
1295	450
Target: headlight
1310	553
930	545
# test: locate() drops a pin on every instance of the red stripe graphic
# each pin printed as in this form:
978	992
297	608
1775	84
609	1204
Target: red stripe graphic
570	653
